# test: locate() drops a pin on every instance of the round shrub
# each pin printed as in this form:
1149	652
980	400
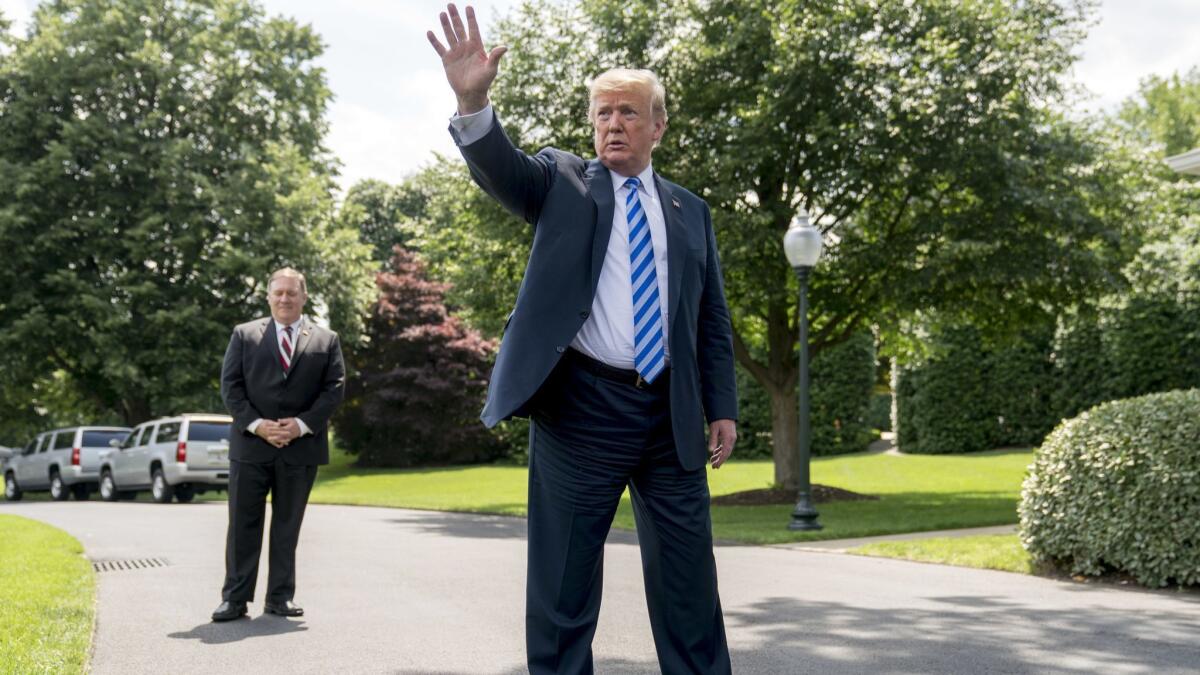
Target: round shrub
1118	489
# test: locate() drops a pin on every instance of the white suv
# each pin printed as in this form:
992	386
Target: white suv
64	461
173	457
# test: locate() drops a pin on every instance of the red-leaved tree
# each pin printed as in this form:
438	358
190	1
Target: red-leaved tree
419	381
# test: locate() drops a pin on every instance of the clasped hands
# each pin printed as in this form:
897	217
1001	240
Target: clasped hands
278	432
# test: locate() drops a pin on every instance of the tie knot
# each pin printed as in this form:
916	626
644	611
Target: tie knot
288	330
633	183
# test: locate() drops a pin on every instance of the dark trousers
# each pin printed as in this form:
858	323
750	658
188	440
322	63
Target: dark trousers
249	484
590	438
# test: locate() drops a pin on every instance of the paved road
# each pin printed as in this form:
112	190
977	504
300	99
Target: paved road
393	591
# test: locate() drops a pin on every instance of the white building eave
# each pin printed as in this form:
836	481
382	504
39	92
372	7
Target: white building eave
1188	162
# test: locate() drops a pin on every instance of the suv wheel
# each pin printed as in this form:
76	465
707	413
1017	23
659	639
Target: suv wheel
184	494
11	492
108	487
160	489
58	489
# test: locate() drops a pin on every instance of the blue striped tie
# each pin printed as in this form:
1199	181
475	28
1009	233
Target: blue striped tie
649	350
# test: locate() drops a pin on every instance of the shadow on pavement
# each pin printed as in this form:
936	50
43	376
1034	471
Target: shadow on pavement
978	635
605	666
474	526
240	629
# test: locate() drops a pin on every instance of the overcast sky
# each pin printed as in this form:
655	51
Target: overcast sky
392	102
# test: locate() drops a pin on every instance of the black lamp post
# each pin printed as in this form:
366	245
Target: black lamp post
802	244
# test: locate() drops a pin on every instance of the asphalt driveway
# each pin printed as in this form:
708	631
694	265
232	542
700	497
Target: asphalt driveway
395	591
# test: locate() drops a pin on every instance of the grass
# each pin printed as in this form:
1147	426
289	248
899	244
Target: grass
917	493
991	552
47	599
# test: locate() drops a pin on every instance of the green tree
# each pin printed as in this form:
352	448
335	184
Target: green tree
1166	111
926	138
382	214
157	160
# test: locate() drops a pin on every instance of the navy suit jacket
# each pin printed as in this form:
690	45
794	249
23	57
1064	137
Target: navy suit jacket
253	386
569	202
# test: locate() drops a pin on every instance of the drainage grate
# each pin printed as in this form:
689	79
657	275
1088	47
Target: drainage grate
138	564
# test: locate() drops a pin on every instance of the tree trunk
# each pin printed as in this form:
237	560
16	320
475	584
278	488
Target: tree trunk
785	436
135	410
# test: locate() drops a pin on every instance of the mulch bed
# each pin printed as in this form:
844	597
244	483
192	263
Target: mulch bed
771	496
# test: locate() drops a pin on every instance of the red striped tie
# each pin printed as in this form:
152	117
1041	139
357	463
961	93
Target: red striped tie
285	355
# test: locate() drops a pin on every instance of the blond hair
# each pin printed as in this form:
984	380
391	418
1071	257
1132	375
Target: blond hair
289	273
625	80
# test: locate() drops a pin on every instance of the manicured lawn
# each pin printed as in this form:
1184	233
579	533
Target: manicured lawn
917	493
992	552
47	599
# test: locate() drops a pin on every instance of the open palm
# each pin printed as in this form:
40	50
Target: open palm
469	69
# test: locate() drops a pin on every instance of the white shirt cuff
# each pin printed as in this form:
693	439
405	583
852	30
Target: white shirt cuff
473	127
253	426
304	430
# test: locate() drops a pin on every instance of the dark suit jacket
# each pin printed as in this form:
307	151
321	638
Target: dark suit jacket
569	201
253	386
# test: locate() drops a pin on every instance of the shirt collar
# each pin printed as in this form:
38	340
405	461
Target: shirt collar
295	326
646	176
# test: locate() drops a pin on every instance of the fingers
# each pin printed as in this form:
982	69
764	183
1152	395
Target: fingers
437	45
494	56
472	25
448	30
460	31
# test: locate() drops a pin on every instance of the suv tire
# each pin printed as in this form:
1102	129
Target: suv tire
58	489
184	494
160	489
108	487
12	492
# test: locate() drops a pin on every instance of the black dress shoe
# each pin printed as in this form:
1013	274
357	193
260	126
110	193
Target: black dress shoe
285	608
228	611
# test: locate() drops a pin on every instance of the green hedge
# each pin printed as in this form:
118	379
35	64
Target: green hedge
969	393
1118	489
842	379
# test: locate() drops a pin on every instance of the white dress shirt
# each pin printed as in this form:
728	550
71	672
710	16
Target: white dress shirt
608	333
279	335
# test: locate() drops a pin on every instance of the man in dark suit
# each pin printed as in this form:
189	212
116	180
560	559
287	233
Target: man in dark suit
618	349
282	378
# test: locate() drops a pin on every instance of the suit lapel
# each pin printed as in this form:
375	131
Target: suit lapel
301	342
676	243
600	187
269	347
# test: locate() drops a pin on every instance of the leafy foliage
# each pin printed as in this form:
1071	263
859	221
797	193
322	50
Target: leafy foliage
973	393
1117	488
421	378
381	214
840	404
157	161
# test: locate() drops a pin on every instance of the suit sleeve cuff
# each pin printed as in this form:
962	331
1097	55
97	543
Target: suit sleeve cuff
467	129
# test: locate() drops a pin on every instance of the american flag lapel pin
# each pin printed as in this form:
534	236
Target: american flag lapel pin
675	202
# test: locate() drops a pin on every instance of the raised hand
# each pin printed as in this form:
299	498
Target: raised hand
469	69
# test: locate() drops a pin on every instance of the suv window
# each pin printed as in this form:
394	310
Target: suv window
132	439
100	439
167	432
44	443
31	447
208	431
64	439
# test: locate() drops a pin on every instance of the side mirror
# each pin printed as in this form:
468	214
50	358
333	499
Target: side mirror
114	442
